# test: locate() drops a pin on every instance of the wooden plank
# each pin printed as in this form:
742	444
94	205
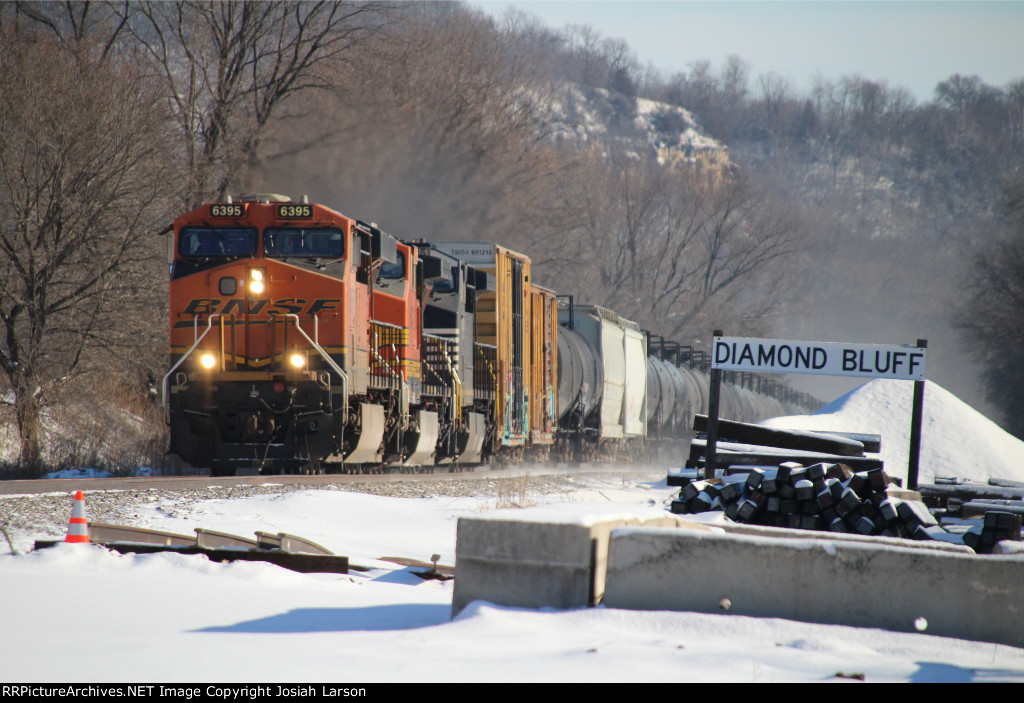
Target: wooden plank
212	539
968	491
419	564
101	532
268	540
973	508
294	544
785	439
302	563
725	457
1005	483
872	442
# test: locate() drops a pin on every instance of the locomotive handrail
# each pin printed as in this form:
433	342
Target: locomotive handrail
490	380
199	338
456	389
442	344
375	327
394	369
323	354
209	326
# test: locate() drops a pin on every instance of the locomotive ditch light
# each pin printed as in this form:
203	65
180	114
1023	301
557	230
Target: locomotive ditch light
298	360
208	361
256	281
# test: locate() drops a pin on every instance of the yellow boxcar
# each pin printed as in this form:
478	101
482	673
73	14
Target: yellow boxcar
543	399
502	322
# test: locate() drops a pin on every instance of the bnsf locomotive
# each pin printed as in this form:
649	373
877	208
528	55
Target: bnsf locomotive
301	340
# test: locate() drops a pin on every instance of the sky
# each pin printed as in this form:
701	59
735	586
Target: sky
910	44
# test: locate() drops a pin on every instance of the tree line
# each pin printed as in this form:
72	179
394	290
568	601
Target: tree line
910	208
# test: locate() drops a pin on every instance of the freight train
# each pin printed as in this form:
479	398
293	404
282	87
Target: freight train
302	340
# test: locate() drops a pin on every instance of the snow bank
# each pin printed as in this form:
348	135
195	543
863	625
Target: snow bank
956	440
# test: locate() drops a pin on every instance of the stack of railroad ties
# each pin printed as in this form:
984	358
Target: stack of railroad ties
834	492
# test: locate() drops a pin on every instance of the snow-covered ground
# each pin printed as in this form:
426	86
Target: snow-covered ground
80	613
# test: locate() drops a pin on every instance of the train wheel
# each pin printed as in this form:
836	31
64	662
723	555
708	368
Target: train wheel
314	468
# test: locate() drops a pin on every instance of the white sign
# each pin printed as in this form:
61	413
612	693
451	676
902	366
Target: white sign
479	254
903	362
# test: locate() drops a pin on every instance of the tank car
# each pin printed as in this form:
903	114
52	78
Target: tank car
605	360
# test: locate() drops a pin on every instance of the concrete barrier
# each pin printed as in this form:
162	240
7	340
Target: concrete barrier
876	540
845	582
548	556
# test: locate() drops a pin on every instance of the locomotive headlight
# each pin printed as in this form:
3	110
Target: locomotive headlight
208	361
256	281
298	361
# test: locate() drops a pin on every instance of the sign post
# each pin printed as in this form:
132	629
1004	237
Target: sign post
897	362
715	392
915	428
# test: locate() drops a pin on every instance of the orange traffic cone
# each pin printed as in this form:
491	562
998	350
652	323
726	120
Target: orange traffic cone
78	529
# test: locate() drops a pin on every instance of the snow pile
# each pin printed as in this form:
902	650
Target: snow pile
84	614
956	440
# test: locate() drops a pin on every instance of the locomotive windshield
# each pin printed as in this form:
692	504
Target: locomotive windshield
303	242
395	270
446	284
217	241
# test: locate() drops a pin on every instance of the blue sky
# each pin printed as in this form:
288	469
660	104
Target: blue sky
911	44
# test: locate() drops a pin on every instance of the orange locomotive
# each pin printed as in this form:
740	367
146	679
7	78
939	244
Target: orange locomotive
295	339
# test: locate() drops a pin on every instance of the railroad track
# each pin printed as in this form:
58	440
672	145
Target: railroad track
60	485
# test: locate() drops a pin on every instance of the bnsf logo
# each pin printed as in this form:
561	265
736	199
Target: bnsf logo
242	306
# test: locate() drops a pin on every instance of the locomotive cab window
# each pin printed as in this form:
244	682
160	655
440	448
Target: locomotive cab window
391	276
209	242
304	242
446	284
395	270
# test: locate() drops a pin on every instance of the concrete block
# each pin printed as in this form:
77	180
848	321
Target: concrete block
548	556
819	580
878	540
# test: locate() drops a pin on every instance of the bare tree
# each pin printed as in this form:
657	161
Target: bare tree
83	170
439	134
835	109
675	249
991	318
1015	101
774	96
899	109
229	68
70	22
959	92
734	76
586	64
